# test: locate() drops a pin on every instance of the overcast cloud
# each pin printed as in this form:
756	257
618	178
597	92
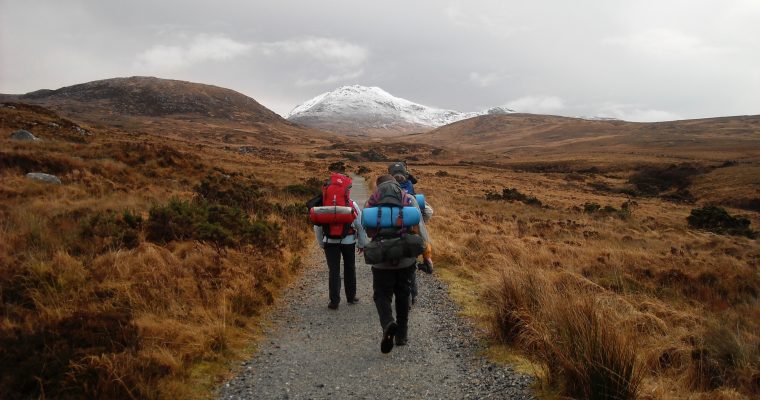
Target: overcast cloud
635	60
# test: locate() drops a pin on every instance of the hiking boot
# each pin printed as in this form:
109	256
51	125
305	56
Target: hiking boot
426	266
386	344
355	300
401	338
333	306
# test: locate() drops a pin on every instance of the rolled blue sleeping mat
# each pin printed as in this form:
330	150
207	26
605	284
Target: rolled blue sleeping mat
389	217
420	200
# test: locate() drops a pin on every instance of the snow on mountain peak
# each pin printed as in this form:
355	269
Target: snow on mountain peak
374	108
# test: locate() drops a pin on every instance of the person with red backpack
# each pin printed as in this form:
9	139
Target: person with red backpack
338	229
392	253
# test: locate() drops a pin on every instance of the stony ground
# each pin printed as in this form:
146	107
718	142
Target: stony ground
312	352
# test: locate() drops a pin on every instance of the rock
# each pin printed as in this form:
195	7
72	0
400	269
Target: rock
82	131
24	135
44	177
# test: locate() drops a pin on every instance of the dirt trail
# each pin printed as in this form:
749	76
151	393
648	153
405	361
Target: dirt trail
312	352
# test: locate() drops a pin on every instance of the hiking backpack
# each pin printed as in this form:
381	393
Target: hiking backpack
337	210
390	220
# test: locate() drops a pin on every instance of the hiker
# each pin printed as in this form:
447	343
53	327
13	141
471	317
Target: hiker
393	252
406	180
340	238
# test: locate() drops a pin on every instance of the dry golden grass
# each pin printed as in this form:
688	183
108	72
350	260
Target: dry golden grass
662	287
88	306
602	305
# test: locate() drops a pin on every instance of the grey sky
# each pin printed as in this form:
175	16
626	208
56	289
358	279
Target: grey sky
636	60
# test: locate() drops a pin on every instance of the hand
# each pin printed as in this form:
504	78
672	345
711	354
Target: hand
360	250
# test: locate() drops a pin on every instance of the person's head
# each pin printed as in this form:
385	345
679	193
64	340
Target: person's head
397	168
384	178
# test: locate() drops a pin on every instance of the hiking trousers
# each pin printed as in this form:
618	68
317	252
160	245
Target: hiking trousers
333	253
387	283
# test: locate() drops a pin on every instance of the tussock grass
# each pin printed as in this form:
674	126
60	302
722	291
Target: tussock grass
92	305
604	306
569	329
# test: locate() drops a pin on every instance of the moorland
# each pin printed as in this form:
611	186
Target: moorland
610	259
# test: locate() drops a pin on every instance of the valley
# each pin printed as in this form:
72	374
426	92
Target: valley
585	251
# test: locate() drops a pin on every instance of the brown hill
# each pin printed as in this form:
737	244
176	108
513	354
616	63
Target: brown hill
525	134
148	96
188	110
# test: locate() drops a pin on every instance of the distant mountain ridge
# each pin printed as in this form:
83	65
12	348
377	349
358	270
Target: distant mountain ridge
514	134
154	97
357	110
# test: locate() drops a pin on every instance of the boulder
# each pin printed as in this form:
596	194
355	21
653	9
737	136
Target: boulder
44	177
24	135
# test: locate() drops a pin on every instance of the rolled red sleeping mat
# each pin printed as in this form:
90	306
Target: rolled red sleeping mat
331	215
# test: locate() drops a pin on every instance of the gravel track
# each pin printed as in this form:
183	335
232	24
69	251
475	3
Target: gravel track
312	352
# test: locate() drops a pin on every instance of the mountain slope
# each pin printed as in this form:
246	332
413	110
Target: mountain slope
148	96
514	134
192	111
357	110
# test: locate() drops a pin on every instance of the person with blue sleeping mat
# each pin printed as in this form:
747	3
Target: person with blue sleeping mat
394	224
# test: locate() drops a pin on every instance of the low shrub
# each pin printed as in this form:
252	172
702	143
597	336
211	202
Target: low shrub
602	187
174	221
574	176
301	190
512	194
625	211
217	224
717	220
651	181
590	207
373	155
33	162
338	166
309	188
233	190
750	204
110	231
363	170
680	196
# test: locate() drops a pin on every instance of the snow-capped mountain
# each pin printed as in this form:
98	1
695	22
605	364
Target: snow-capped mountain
370	110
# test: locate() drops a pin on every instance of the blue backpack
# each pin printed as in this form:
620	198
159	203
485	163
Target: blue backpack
408	186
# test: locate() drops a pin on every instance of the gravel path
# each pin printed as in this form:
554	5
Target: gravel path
312	352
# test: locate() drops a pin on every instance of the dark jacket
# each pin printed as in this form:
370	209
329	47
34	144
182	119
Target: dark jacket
408	200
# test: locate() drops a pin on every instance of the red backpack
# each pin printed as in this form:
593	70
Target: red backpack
337	211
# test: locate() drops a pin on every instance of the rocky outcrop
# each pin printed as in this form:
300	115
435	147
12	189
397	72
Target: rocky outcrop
47	178
24	135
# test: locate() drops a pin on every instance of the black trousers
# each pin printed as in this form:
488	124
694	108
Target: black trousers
389	282
414	288
333	252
